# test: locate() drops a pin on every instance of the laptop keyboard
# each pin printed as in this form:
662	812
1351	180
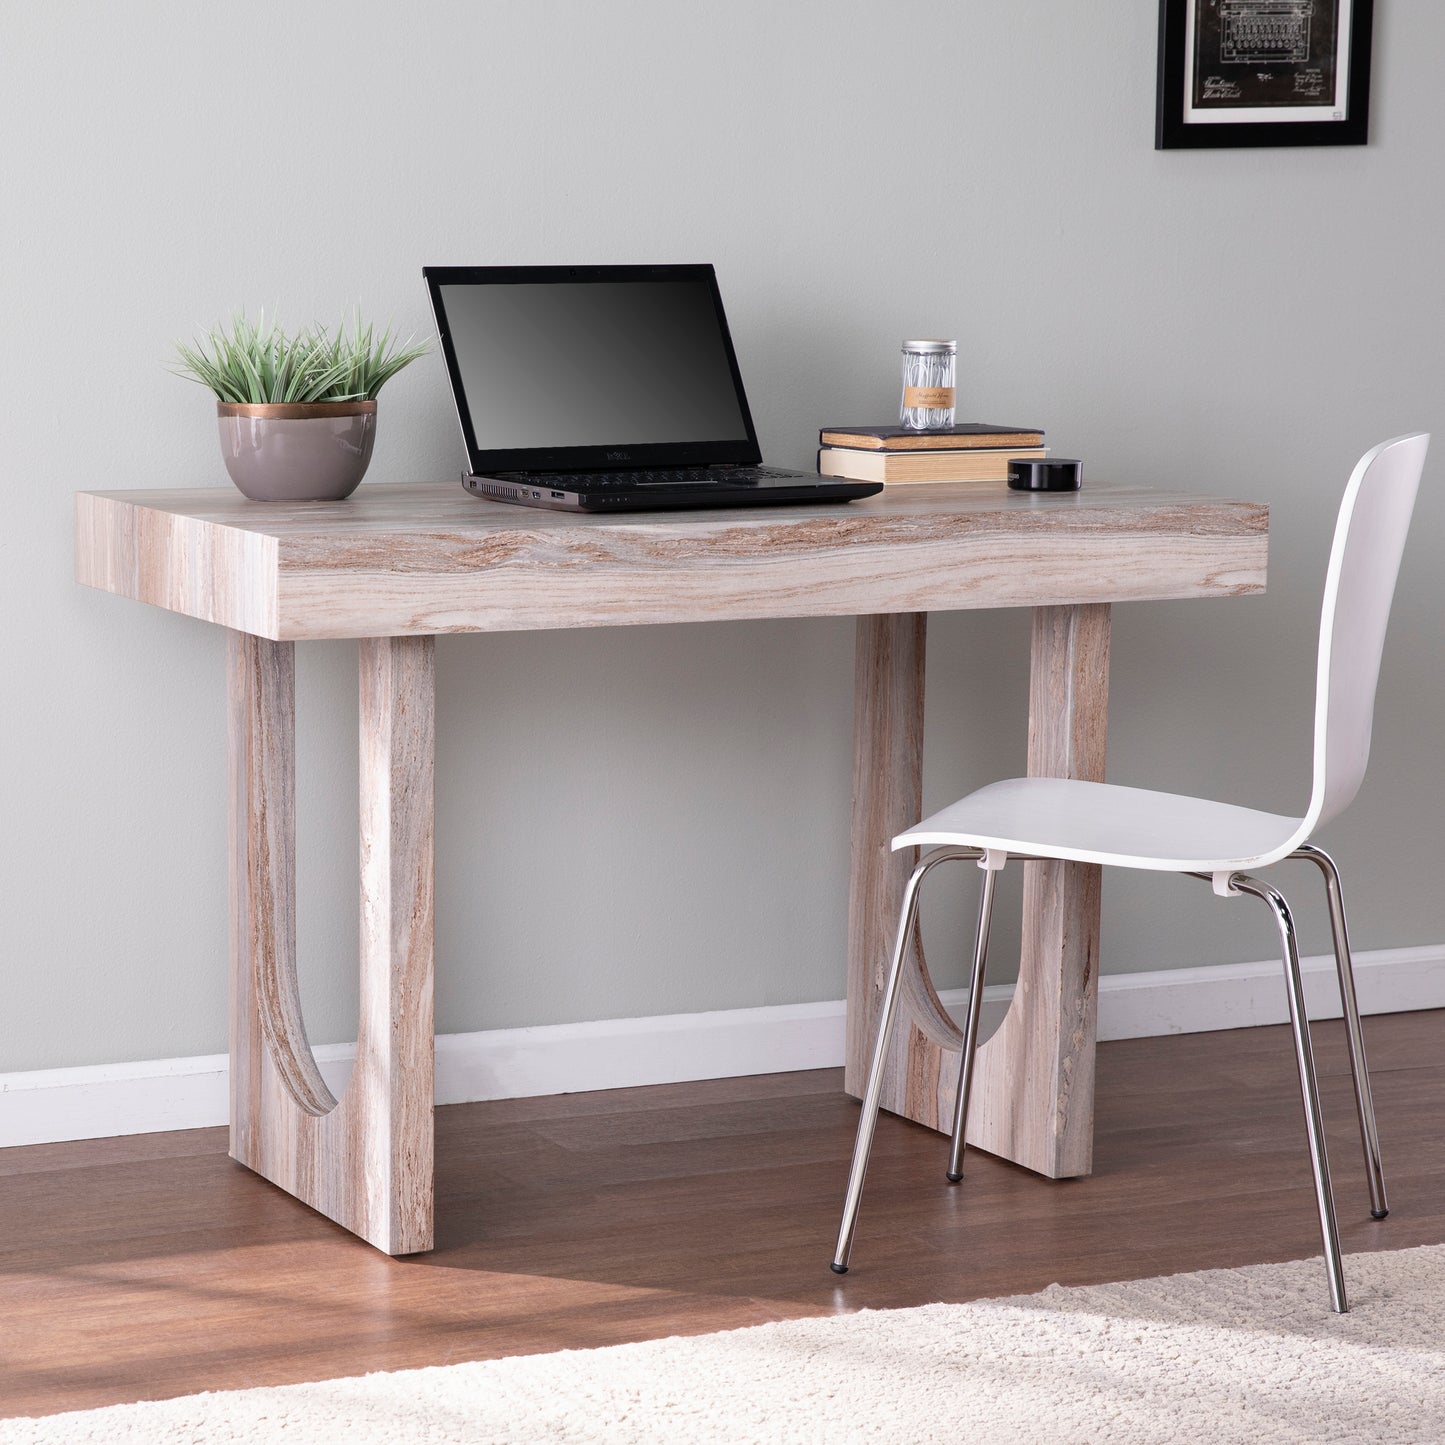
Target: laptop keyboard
663	477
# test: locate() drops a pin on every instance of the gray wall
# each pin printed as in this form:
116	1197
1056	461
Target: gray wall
1242	323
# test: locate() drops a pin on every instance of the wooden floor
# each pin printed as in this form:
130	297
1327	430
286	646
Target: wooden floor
154	1266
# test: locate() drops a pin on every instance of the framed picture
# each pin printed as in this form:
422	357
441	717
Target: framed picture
1263	73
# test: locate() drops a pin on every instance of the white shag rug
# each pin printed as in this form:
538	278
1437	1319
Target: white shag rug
1224	1355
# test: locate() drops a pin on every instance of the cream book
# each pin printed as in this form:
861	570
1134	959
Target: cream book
975	465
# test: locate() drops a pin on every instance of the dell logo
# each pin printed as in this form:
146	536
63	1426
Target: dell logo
618	456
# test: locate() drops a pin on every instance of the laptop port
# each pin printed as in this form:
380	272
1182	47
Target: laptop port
559	495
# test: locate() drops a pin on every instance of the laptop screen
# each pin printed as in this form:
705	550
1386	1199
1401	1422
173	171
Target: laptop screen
581	367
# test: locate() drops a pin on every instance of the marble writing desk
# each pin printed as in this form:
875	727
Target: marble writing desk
396	565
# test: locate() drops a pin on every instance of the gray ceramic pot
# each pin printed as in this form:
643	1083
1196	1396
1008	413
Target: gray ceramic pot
297	452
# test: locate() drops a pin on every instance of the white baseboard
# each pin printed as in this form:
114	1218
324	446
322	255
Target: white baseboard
96	1101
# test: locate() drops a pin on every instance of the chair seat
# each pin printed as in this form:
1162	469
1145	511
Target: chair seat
1102	823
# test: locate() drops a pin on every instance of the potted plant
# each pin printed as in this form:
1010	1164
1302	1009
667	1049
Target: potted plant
297	414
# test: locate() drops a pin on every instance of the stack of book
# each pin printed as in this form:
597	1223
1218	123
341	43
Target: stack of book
968	451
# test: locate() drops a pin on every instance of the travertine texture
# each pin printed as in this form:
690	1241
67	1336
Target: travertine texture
426	558
366	1161
1033	1092
409	560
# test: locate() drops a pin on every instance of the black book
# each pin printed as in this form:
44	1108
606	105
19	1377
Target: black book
958	437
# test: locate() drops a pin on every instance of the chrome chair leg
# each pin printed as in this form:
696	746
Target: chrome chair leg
1309	1087
1359	1070
868	1119
970	1028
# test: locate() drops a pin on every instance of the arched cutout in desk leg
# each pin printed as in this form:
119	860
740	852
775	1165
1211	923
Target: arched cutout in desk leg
365	1161
1033	1090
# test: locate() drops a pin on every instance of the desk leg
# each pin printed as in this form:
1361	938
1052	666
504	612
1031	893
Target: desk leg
365	1161
1033	1094
887	798
1034	1079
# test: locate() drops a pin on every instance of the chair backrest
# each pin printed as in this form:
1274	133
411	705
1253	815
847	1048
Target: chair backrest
1359	587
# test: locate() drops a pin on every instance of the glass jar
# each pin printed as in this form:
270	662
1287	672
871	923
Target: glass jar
929	395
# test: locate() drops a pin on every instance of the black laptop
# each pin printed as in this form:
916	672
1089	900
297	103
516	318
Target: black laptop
605	389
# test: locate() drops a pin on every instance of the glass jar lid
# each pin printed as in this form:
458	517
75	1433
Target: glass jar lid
930	344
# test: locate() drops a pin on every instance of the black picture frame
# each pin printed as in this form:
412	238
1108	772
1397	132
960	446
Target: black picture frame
1291	48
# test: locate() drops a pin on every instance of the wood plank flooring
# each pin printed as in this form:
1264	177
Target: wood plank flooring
154	1266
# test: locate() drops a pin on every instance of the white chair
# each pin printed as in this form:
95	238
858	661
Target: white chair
1035	818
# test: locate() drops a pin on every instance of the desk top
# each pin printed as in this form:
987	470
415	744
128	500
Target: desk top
417	558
